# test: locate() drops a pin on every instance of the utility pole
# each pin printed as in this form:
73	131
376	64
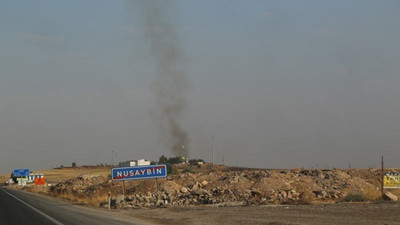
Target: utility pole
212	147
383	178
113	153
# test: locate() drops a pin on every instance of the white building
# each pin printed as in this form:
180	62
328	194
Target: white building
130	163
32	176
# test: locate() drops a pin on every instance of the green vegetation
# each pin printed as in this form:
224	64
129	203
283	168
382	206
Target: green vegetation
171	160
170	169
177	160
189	170
351	197
195	161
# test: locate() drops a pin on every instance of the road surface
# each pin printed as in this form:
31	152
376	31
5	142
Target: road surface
22	208
329	214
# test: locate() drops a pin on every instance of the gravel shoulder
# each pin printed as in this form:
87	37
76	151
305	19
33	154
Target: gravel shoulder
384	213
331	214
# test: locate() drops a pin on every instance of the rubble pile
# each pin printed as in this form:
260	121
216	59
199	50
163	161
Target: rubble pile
228	187
249	187
83	185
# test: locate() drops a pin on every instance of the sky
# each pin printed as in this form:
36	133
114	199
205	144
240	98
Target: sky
271	84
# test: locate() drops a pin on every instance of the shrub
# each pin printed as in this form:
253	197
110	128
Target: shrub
162	159
351	197
171	160
176	160
189	170
170	169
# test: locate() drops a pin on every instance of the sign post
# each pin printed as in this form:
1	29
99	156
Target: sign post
123	189
157	185
109	200
383	180
138	172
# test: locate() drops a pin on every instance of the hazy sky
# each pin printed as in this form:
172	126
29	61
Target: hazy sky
276	83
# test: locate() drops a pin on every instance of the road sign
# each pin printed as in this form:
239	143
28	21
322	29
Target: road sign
138	172
391	180
21	172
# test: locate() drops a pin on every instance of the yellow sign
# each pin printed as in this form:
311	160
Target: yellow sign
391	180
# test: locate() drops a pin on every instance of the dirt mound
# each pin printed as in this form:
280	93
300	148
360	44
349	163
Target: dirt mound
254	187
227	186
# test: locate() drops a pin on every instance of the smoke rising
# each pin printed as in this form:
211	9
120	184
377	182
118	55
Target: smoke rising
171	82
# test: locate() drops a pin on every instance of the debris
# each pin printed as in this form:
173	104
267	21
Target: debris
228	187
391	197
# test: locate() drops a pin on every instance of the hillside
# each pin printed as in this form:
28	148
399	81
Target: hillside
221	186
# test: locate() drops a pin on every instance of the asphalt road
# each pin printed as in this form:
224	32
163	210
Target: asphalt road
326	214
22	208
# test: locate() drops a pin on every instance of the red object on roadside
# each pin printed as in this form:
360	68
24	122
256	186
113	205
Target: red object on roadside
39	181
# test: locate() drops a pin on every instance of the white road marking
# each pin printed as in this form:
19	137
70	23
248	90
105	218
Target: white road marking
36	210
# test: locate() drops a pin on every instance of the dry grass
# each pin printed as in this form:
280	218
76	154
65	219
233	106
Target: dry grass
59	175
357	197
84	200
54	176
376	194
4	177
372	193
394	191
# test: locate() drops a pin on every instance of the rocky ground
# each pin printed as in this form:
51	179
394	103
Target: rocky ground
224	186
325	214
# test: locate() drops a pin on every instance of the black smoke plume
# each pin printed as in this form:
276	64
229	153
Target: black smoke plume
171	83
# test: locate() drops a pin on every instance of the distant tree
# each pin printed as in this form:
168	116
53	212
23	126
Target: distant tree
176	160
171	160
15	180
74	164
170	169
162	159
